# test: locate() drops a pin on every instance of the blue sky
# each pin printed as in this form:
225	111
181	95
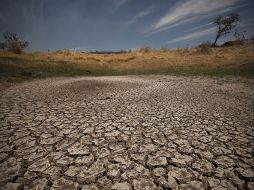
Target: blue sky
119	24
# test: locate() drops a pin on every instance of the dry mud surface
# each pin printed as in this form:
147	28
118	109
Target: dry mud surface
146	132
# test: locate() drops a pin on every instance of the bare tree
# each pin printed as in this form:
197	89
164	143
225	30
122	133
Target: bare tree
14	43
225	24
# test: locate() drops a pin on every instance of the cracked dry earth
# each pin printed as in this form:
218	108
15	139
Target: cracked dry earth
132	132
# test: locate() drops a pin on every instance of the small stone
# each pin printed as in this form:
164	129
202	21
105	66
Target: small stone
122	159
139	157
78	149
40	118
54	172
204	167
63	183
170	183
219	188
147	148
225	161
39	184
87	130
207	154
219	172
233	177
50	141
86	160
247	173
73	171
142	184
92	173
182	174
137	170
114	173
103	152
157	161
227	184
40	165
105	182
124	176
250	185
181	160
3	156
193	185
165	153
30	176
159	172
89	187
116	147
11	186
121	186
65	160
213	182
9	169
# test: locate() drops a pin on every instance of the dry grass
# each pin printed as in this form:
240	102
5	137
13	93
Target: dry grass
200	60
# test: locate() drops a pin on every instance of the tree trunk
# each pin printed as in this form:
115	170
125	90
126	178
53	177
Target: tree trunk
217	37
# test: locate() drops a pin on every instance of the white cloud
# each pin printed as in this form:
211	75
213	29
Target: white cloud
192	7
193	35
186	11
201	26
149	32
117	4
140	15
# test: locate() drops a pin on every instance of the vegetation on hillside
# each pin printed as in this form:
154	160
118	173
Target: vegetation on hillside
202	60
13	43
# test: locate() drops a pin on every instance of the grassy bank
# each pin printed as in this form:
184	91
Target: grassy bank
220	61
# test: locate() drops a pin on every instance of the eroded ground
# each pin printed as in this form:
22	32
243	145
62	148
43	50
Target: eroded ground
152	132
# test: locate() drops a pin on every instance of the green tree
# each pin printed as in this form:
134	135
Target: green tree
14	43
225	25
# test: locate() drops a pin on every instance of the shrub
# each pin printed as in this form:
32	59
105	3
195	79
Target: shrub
233	43
252	38
1	45
145	50
205	48
183	51
14	43
164	49
65	52
240	39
